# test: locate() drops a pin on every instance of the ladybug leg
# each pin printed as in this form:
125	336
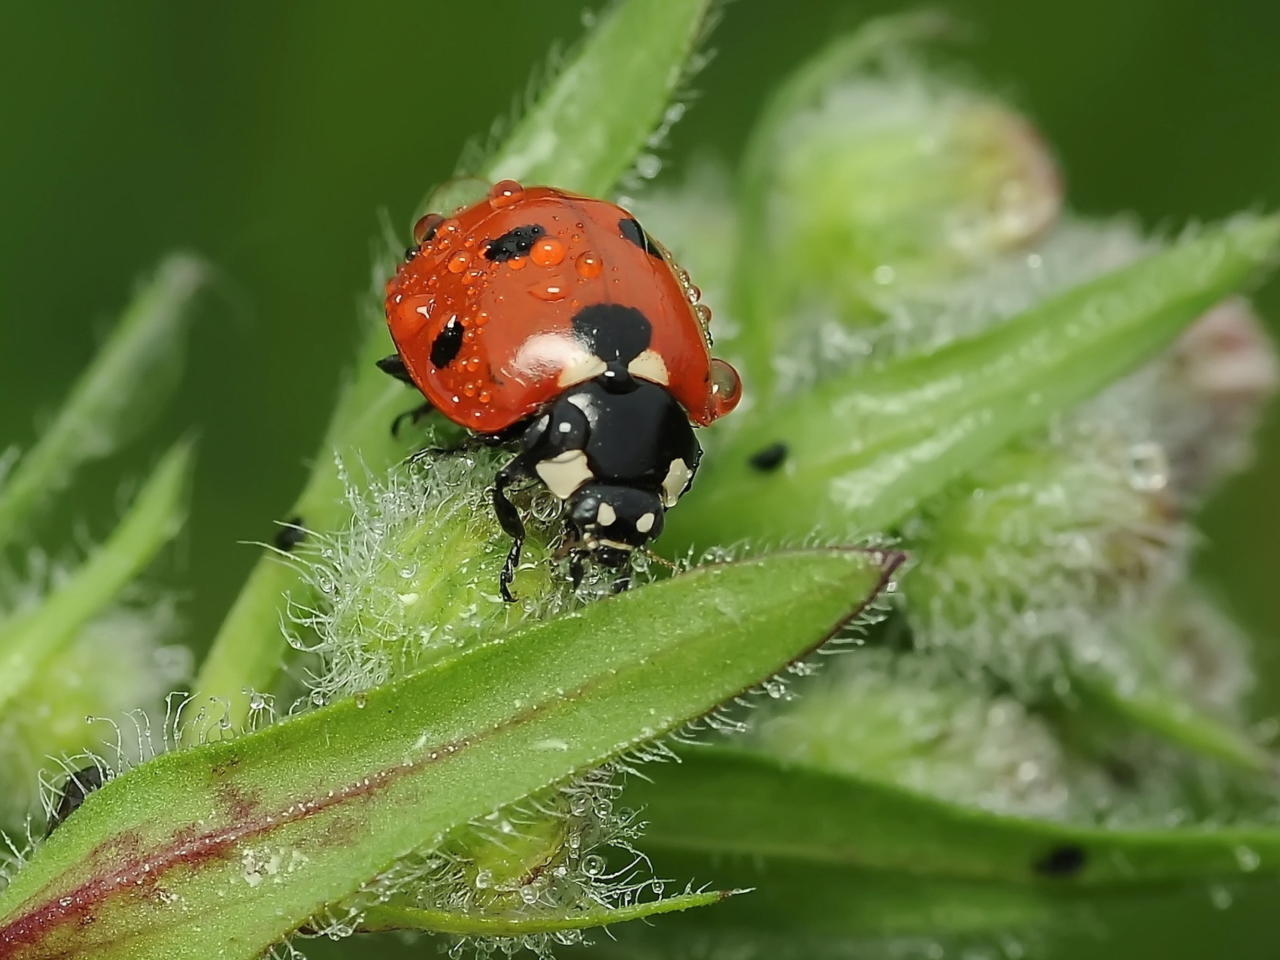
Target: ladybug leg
576	570
393	366
413	416
509	517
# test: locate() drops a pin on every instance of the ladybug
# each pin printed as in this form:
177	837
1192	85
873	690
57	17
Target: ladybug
553	322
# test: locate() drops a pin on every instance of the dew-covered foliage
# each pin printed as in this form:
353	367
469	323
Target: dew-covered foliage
1033	712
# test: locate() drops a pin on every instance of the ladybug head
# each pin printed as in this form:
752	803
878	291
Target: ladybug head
612	521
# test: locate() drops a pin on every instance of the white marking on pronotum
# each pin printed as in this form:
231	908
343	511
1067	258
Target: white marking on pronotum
645	523
650	366
564	473
606	515
677	479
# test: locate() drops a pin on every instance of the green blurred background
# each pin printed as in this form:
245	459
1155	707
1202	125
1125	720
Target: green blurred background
268	135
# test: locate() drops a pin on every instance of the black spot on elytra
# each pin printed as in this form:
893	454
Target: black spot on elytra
290	534
615	334
770	458
1064	861
74	789
514	243
631	230
447	344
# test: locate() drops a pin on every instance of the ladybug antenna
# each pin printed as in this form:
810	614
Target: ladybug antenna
661	560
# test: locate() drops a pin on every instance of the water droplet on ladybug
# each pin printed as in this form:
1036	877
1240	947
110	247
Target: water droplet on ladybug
518	263
726	388
469	389
424	231
504	193
471	276
485	396
704	314
552	292
547	252
589	265
482	318
693	293
459	261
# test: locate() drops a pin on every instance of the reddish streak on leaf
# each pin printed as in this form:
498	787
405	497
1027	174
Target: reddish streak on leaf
140	874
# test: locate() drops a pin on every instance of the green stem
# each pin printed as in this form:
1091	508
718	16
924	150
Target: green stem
109	402
28	643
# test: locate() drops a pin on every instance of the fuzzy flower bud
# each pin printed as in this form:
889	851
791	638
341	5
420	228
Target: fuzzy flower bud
414	579
118	663
886	182
876	186
1015	565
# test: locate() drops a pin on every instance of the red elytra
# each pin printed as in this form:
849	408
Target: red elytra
482	314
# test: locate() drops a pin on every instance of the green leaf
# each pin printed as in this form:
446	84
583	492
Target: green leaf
835	860
237	843
587	127
1154	707
30	641
383	917
804	814
129	379
865	449
581	134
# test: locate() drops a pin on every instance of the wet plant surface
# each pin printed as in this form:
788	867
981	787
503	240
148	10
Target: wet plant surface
924	637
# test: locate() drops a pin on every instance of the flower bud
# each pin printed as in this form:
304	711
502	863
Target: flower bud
1016	566
116	665
1208	395
879	186
414	579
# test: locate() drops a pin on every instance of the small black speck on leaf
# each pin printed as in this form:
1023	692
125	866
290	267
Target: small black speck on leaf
1064	861
290	534
75	788
769	458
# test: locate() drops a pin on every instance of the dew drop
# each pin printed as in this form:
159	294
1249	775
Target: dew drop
361	699
1220	897
256	701
548	252
504	193
552	292
589	265
1147	468
529	894
593	865
459	261
648	165
425	229
484	879
726	388
703	313
1248	859
884	275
